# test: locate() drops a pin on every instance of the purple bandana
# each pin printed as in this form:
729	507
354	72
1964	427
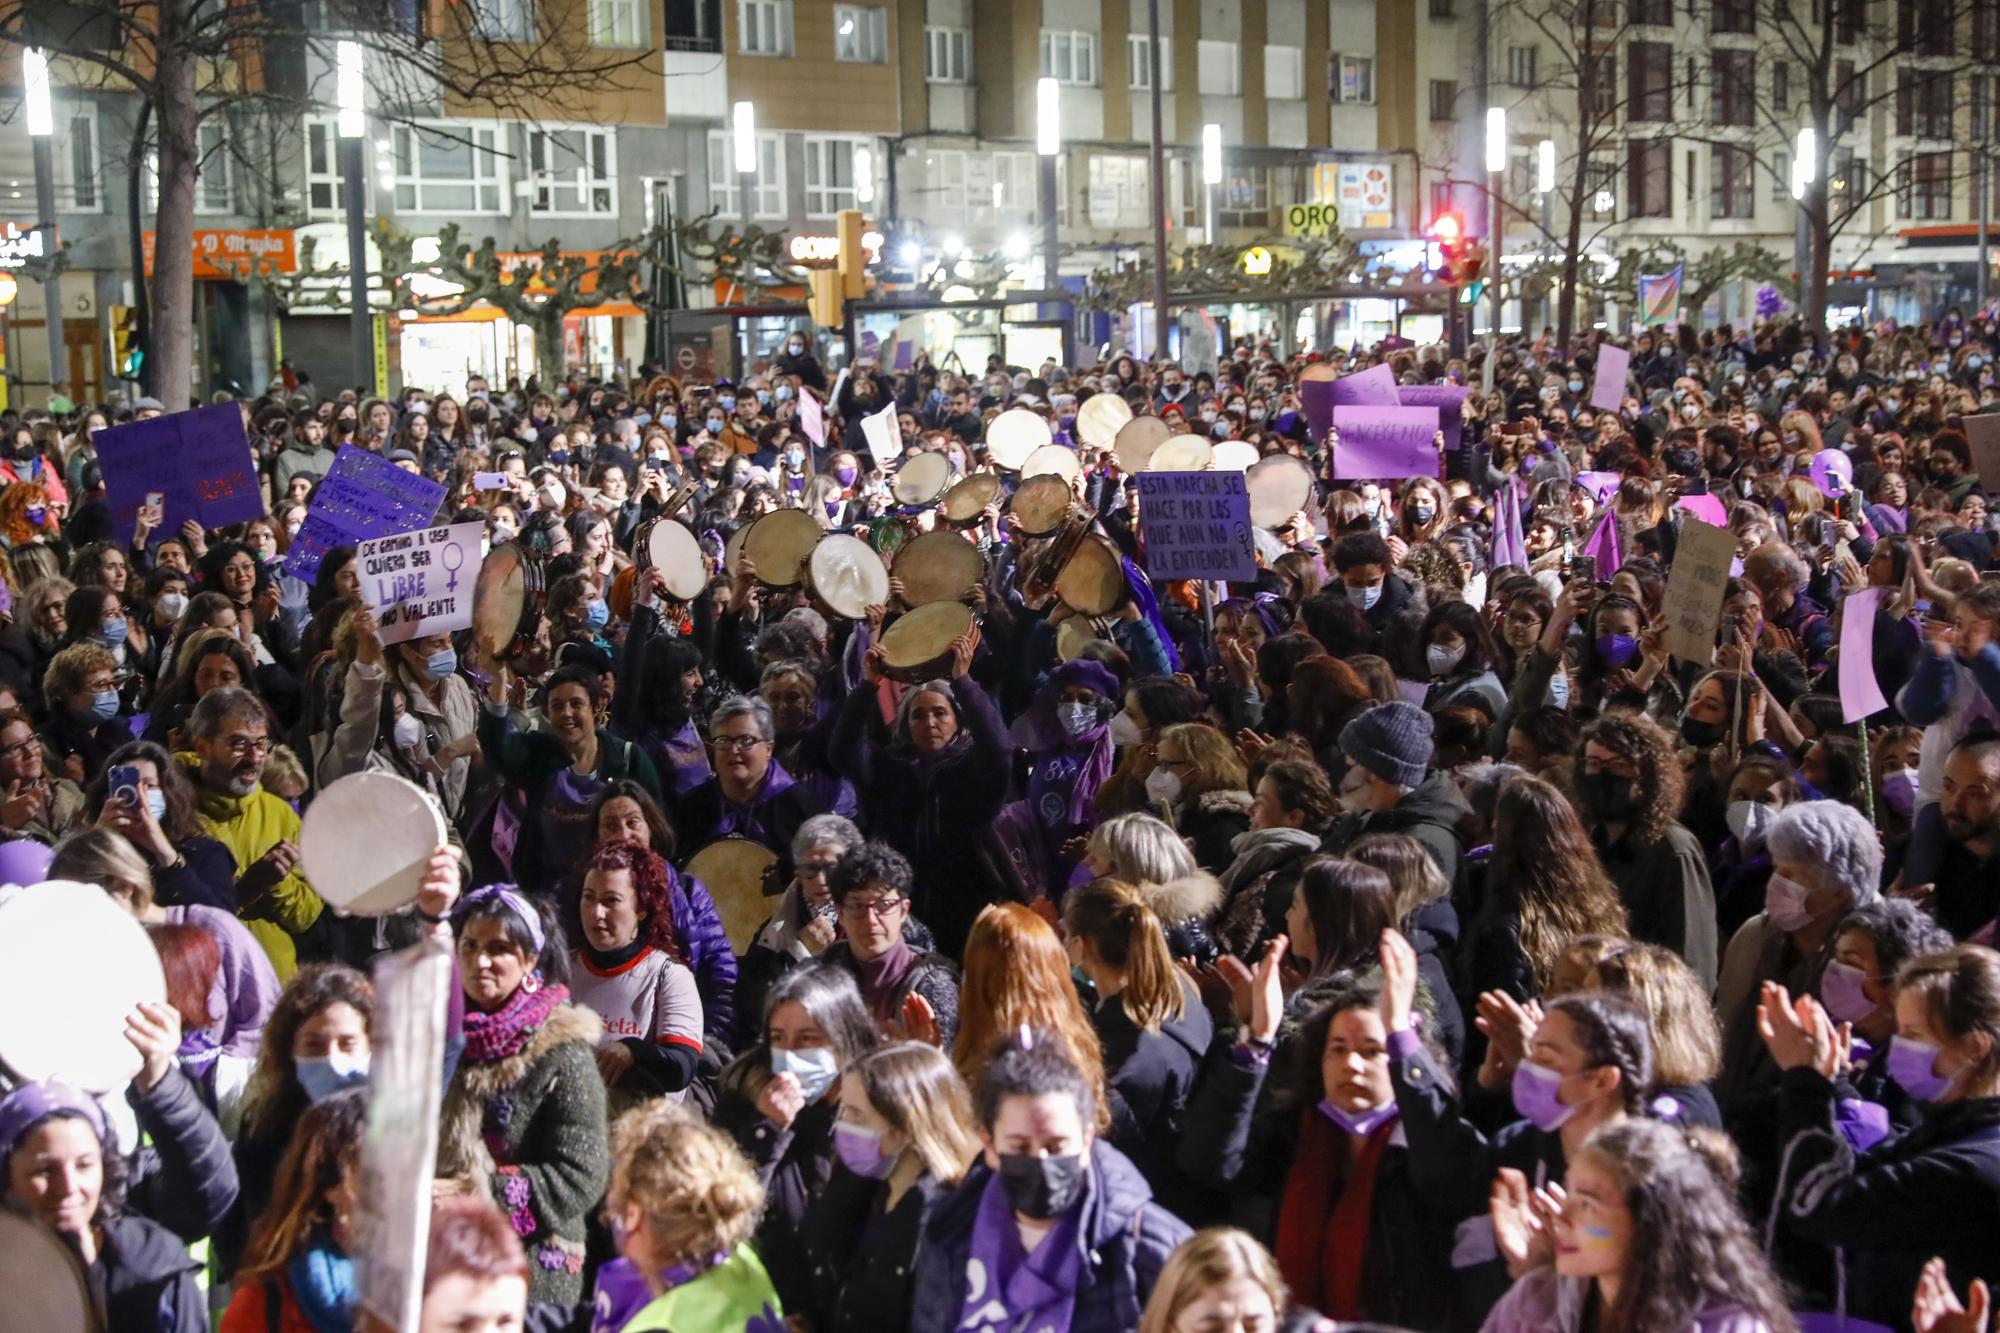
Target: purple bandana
1008	1291
31	1102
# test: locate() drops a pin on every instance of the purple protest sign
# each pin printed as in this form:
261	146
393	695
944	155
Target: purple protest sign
1448	399
1373	387
812	420
1385	442
364	495
1316	397
1599	485
1707	508
197	462
1607	390
1860	692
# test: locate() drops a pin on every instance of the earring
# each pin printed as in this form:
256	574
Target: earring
533	983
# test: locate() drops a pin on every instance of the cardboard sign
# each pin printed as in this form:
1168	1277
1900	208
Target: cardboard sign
1448	399
399	1145
812	420
1373	387
1384	442
1196	525
363	496
1607	390
1695	585
420	583
885	439
1860	692
199	462
1983	434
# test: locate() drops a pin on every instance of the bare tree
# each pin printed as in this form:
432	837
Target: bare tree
190	60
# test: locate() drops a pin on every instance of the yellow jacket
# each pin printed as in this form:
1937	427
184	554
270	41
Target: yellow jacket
249	826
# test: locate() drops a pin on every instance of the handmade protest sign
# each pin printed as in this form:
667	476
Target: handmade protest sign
1983	434
1695	586
363	496
1196	525
1607	389
1381	442
812	420
1373	387
885	440
1860	692
1316	398
420	583
1448	399
197	462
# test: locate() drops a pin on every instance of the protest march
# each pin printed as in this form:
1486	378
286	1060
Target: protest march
1362	838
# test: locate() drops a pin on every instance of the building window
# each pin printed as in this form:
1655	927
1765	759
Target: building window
1650	76
575	171
448	168
1654	13
1244	197
1070	57
1221	71
1732	16
1923	187
1598	71
1986	32
1923	104
1732	182
325	187
861	34
1732	87
1649	183
502	20
1350	78
1601	188
769	182
1014	182
764	27
213	188
1139	60
694	27
1443	9
830	174
1440	193
1284	73
1521	66
1980	113
947	55
1781	86
1781	176
617	23
1924	27
1847	90
1444	99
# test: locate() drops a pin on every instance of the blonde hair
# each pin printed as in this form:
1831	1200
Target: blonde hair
1119	924
283	767
105	858
1141	849
913	1087
1687	1040
1203	1262
1212	762
699	1191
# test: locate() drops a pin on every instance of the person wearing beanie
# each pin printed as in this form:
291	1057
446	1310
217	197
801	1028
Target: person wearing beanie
1388	786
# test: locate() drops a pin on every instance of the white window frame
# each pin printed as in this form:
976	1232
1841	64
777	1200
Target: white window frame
948	55
618	23
503	20
771	204
1284	73
1065	52
1362	71
823	151
1138	54
328	177
211	156
773	27
74	194
1521	65
868	43
592	195
487	143
1019	176
1221	69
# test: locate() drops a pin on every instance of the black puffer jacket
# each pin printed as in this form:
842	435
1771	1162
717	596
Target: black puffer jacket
1153	1074
148	1277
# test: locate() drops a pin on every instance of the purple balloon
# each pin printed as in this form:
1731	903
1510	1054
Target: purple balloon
24	861
1828	466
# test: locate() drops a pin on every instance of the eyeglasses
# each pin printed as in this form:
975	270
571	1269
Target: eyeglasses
875	907
737	742
19	748
248	745
807	869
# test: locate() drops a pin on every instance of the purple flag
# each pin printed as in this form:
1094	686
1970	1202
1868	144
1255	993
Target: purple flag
1385	442
1603	544
1510	547
1860	692
1599	484
1607	387
1373	387
1316	397
1448	399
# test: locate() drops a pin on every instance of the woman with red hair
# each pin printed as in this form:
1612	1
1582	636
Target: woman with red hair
1017	973
632	972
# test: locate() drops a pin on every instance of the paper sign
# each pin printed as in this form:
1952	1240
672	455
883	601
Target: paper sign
1196	525
1707	508
811	419
399	1145
420	583
1607	390
885	439
1316	398
1448	399
1695	585
489	481
1860	692
1373	387
363	496
1384	442
1983	433
198	462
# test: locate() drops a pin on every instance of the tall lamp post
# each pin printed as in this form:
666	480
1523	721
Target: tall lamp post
1805	170
743	120
1496	169
350	97
41	131
1048	144
1545	185
1211	176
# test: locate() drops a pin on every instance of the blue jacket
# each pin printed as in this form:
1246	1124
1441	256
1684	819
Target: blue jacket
698	926
1125	1236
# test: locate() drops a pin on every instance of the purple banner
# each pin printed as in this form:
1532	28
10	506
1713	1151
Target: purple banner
364	495
1316	397
1448	399
1384	442
197	462
1373	387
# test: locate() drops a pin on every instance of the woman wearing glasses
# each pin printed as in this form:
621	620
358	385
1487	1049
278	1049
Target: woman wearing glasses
908	991
804	922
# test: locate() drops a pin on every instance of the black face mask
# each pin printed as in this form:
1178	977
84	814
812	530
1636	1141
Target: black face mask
1041	1187
1701	735
1609	799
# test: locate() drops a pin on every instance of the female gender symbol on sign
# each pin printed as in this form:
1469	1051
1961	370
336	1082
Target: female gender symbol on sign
453	557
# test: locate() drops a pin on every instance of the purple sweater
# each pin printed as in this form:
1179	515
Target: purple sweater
1542	1302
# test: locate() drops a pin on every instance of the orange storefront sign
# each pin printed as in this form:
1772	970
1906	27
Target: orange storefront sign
235	253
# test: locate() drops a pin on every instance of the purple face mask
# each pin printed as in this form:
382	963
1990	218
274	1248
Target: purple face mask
1359	1123
1537	1096
1615	650
860	1150
844	475
1913	1068
1840	991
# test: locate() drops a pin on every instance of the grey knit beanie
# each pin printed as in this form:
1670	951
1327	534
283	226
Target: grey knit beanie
1392	741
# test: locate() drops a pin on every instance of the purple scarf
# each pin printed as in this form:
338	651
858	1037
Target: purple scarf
622	1290
882	980
1068	771
505	1031
1008	1291
1149	607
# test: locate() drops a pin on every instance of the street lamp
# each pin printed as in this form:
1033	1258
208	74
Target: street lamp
351	125
1545	185
1496	166
864	175
42	129
1048	143
1805	170
744	119
1211	175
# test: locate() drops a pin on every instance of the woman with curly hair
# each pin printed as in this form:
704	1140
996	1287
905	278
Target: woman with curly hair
27	517
632	970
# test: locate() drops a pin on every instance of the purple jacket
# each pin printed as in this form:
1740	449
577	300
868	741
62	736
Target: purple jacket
1542	1302
698	926
245	988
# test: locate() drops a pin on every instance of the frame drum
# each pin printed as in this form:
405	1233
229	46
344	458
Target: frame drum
1100	419
848	575
732	870
1137	439
1234	456
1014	435
967	499
1092	581
1182	453
63	1017
672	548
507	601
1279	486
778	545
1053	459
380	871
917	647
921	480
1041	503
938	566
46	1289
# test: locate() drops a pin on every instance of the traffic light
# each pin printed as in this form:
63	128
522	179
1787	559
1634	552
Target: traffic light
128	344
823	299
853	262
1460	260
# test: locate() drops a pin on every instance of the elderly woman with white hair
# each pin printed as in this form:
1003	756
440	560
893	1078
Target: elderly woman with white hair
1826	860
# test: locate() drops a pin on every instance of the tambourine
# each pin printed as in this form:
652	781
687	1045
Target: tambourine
778	545
1233	456
968	498
47	1290
508	600
365	840
1100	418
1053	460
1136	441
917	646
847	575
1182	453
1092	580
65	1021
732	870
938	566
670	546
1280	486
1014	435
922	479
1041	503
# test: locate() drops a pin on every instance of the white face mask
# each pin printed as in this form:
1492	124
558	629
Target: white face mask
1749	821
1076	718
1124	731
1443	660
1785	903
1163	787
409	731
1364	597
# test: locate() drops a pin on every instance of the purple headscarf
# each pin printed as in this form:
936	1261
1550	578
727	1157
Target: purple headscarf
1038	730
32	1102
